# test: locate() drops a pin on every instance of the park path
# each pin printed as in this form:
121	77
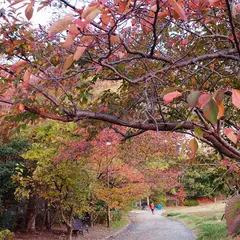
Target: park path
145	226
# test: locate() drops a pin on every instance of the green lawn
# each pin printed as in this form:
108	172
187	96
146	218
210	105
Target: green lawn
206	228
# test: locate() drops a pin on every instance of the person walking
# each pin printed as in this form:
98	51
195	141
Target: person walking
152	207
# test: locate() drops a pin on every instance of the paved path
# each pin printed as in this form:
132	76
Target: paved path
146	226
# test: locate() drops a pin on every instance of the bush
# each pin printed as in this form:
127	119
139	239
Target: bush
6	235
191	202
116	215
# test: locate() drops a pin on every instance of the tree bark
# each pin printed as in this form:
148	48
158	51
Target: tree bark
69	232
210	138
31	214
148	202
108	216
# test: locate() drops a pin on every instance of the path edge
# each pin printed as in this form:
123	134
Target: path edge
118	232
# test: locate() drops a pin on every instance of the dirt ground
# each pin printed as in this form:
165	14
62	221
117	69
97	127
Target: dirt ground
95	233
100	232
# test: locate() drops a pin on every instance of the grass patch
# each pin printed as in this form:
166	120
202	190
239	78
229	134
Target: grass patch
206	228
116	225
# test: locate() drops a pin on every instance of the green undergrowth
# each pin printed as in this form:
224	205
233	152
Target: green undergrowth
117	225
206	228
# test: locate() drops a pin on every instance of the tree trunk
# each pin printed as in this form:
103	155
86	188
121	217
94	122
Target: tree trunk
91	219
140	203
108	216
31	214
148	203
69	232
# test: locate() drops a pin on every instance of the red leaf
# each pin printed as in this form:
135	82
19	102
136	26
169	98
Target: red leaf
29	11
204	98
232	214
231	135
236	97
169	97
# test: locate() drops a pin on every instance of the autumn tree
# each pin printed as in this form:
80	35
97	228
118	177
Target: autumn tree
57	176
177	64
117	182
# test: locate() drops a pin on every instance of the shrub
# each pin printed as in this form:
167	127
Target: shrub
116	215
191	202
6	235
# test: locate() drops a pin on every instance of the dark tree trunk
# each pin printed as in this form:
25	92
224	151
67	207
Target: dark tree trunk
108	216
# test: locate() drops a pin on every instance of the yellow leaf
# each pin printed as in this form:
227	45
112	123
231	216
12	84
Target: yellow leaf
29	11
78	53
193	146
68	62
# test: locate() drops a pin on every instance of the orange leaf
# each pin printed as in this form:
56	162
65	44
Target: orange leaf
78	53
61	24
68	42
115	39
26	76
68	62
92	15
86	40
21	107
178	9
105	19
73	30
162	15
169	97
29	11
236	97
220	110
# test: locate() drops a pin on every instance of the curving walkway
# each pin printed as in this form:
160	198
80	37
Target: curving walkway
146	226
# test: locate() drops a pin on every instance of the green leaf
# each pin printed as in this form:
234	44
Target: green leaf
193	97
198	132
210	111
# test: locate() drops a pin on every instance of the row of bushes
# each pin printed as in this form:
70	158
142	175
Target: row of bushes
6	235
191	202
